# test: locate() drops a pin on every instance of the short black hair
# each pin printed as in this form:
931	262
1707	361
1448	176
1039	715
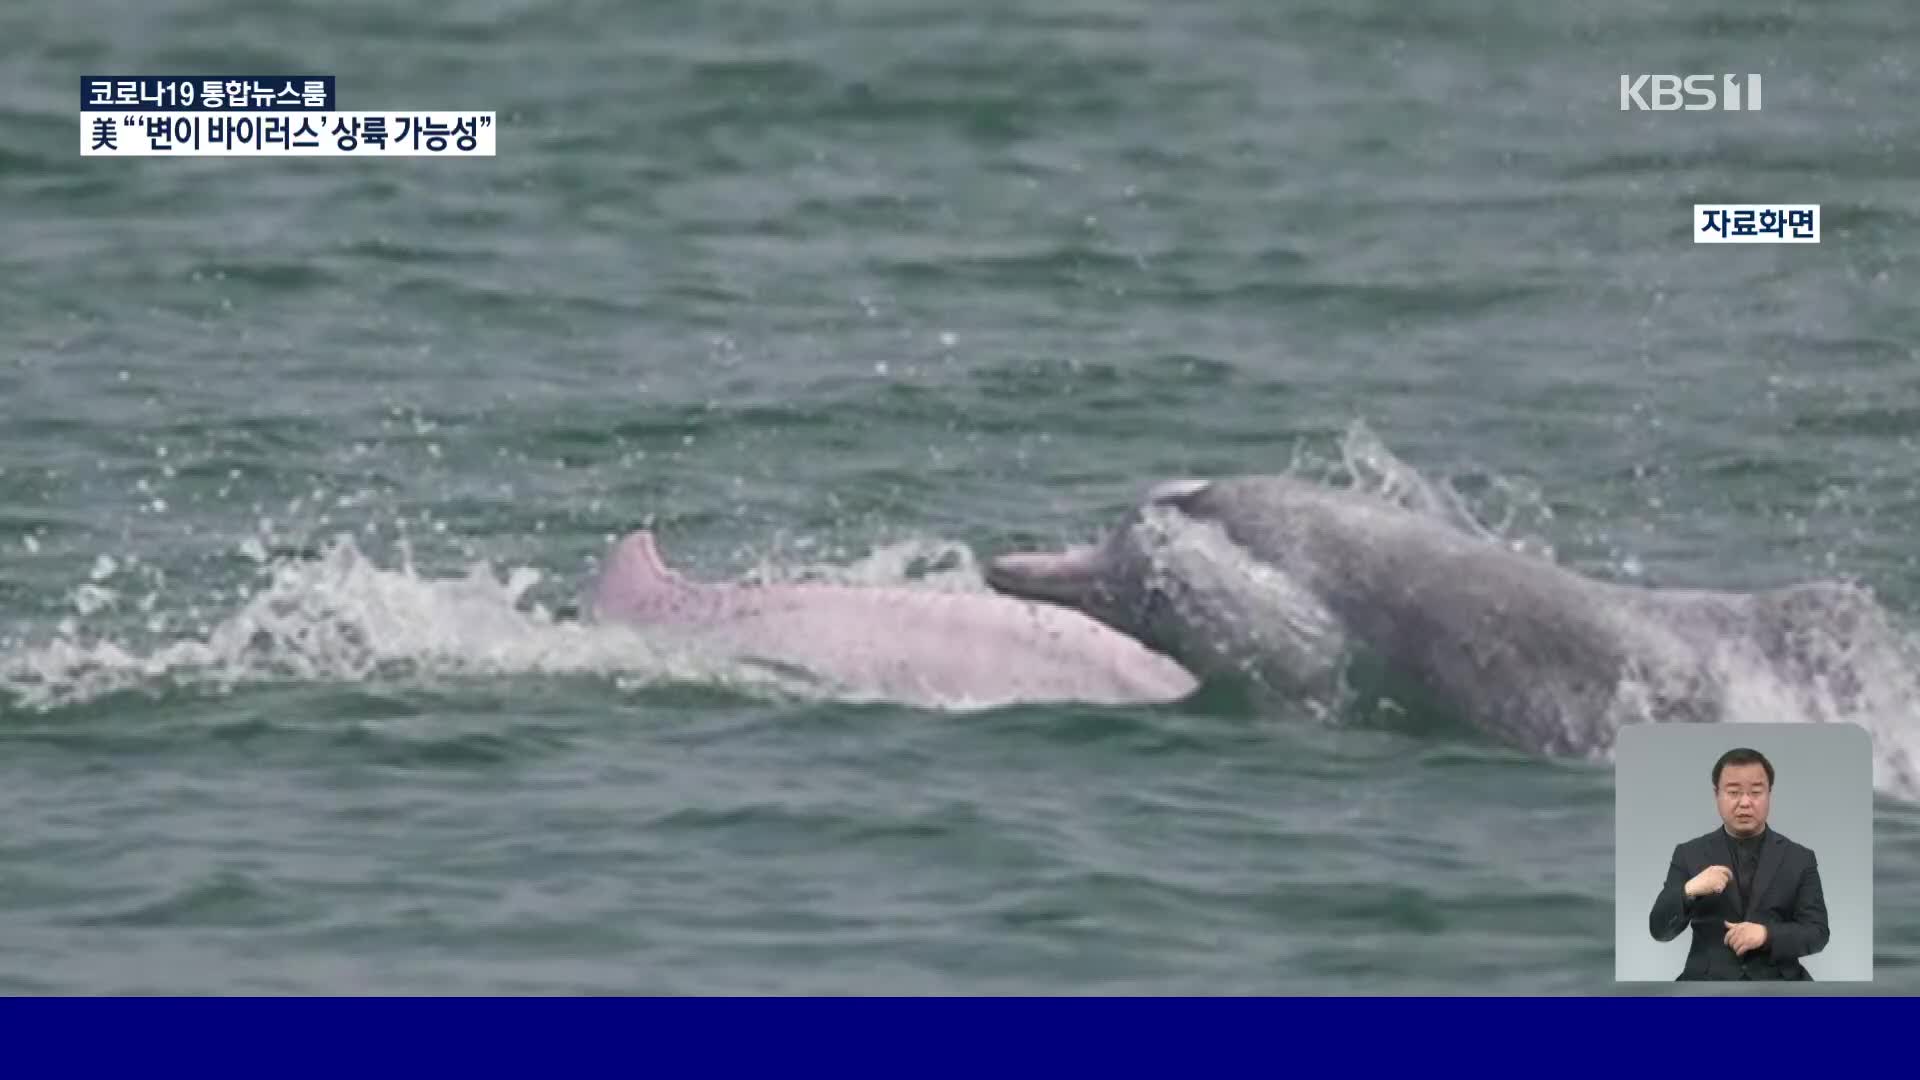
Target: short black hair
1741	755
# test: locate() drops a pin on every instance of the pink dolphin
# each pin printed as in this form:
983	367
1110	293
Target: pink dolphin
914	646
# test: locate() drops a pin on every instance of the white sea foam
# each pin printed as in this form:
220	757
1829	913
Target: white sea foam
344	618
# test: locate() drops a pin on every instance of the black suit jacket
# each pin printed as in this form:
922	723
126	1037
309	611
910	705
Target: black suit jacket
1786	900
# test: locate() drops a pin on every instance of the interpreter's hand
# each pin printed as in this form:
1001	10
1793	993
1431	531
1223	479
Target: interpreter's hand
1711	880
1744	937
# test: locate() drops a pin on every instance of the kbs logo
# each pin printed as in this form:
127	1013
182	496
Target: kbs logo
1666	93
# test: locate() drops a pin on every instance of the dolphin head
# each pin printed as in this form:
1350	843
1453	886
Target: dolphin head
1113	579
1172	576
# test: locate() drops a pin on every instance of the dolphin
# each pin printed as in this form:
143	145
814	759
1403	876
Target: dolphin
1323	595
913	646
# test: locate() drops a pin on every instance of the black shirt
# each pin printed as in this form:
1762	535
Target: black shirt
1746	859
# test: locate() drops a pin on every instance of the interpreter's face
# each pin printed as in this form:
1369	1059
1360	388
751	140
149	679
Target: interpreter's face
1743	796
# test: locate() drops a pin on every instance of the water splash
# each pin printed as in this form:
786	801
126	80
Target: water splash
924	562
341	617
1507	511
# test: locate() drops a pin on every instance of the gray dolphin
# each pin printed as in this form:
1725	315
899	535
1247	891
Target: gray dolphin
907	645
1305	591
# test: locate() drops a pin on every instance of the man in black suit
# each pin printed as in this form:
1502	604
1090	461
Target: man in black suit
1751	895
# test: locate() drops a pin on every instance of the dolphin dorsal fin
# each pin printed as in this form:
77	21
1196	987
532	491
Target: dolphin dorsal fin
633	575
1175	492
638	555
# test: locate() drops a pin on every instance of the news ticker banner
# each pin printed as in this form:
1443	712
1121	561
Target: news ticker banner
842	1037
261	115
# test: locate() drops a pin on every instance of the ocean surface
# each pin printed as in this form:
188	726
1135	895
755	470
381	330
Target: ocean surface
303	462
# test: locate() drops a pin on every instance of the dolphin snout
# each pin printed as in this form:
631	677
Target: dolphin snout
1061	577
